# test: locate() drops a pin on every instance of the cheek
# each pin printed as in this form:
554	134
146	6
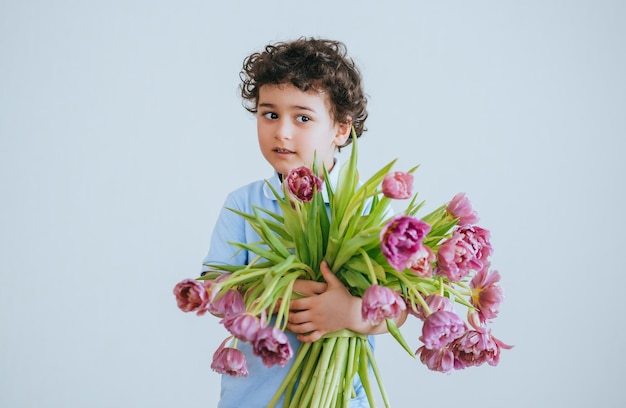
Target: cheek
260	129
263	135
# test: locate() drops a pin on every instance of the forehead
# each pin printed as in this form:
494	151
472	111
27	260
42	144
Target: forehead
289	96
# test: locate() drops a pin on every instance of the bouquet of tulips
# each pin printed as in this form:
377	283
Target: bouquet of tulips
428	265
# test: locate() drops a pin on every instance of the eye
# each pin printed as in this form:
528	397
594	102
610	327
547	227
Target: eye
270	115
303	118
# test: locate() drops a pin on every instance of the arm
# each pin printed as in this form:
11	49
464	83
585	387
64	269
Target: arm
229	227
329	307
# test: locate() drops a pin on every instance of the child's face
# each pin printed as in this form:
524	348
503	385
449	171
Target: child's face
293	126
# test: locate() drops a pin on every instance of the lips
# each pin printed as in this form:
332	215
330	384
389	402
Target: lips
279	150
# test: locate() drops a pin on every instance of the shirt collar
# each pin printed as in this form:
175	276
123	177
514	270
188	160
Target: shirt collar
274	181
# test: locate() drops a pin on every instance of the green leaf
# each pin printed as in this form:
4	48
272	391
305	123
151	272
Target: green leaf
352	246
270	238
395	332
354	280
371	184
347	183
235	268
265	253
367	267
253	221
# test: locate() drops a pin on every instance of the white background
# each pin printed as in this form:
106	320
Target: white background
121	132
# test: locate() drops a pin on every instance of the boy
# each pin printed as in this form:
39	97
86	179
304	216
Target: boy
306	95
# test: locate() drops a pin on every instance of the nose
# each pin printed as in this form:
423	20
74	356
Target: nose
283	130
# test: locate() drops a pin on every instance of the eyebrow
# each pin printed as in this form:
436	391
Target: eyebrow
297	107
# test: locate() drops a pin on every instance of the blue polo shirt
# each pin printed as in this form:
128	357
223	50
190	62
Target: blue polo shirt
258	388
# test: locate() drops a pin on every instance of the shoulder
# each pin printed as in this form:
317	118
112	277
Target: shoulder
254	193
248	189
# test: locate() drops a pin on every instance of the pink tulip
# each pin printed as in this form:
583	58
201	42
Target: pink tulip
230	303
302	183
478	239
441	360
272	345
435	303
441	328
477	347
401	238
191	296
486	295
231	361
398	185
380	303
468	249
460	207
210	284
421	262
243	326
455	259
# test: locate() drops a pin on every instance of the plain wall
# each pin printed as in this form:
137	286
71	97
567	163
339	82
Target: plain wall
122	131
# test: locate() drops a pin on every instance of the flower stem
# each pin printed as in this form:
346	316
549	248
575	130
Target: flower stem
283	310
372	362
322	368
415	292
364	373
291	376
333	381
351	369
305	375
370	267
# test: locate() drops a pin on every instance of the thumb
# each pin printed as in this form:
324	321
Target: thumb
329	276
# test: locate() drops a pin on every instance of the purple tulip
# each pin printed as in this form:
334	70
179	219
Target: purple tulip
231	361
460	207
440	328
272	345
244	326
380	303
398	185
191	296
401	238
302	183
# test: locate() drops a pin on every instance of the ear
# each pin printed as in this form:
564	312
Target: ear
343	131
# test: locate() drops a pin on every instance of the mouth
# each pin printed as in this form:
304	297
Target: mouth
283	151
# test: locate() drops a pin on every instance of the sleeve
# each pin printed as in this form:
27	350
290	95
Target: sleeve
229	227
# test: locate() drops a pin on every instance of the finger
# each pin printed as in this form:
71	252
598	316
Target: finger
329	276
310	337
300	304
308	287
301	329
298	317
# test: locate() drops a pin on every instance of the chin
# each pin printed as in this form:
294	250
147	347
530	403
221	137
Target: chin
282	170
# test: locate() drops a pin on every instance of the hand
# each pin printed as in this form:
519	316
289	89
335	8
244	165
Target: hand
302	287
328	307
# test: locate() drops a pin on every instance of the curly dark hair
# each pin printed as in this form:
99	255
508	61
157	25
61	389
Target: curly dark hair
309	64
